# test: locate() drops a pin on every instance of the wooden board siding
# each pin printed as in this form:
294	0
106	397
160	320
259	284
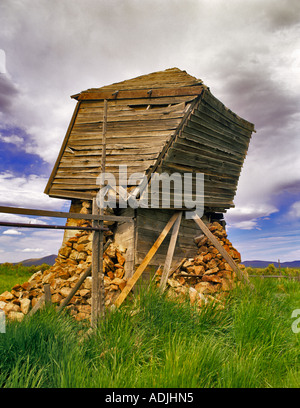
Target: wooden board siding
125	238
149	224
134	138
214	142
138	238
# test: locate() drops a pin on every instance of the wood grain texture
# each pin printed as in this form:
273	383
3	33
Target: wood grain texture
132	281
170	253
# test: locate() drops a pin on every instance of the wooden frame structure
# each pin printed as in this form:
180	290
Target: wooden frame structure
97	259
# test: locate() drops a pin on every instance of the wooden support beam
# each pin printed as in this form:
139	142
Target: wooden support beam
37	306
138	93
48	226
47	293
98	309
170	253
61	214
98	295
74	290
220	248
132	281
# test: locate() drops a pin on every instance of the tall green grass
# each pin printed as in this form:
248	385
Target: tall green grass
158	342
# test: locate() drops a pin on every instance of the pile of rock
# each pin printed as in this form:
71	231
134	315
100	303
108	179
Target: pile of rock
73	259
206	276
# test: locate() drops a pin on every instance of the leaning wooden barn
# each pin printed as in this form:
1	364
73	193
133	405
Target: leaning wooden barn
166	121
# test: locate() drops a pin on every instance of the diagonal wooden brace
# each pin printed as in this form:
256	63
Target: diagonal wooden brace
170	253
132	281
222	251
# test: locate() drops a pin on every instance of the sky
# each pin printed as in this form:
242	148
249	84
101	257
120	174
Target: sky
246	51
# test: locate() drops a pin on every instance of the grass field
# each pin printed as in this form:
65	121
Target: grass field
11	274
161	343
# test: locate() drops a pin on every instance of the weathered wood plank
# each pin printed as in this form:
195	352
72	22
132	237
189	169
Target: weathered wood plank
203	129
127	111
61	214
82	278
94	105
162	124
39	304
193	134
98	299
222	132
134	115
227	113
115	150
157	223
47	292
201	163
220	248
205	151
67	194
170	253
131	282
209	114
139	94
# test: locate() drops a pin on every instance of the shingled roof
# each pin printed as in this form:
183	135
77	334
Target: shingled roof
163	121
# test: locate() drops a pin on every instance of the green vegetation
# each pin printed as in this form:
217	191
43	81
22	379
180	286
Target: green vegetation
158	342
272	270
11	274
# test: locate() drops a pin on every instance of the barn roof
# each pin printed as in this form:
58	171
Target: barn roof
163	121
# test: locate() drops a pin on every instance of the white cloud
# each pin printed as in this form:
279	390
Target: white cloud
26	191
245	225
294	211
5	217
2	62
14	139
12	232
33	250
32	244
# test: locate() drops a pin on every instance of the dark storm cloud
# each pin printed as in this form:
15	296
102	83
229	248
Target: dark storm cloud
8	93
281	14
263	99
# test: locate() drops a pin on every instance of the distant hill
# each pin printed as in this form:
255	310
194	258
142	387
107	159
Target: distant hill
264	264
49	260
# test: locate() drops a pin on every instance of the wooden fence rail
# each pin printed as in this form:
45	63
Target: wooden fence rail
97	259
61	214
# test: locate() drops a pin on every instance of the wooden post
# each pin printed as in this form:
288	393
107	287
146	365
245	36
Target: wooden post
97	272
220	248
37	306
44	300
98	296
170	253
104	127
47	292
132	281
